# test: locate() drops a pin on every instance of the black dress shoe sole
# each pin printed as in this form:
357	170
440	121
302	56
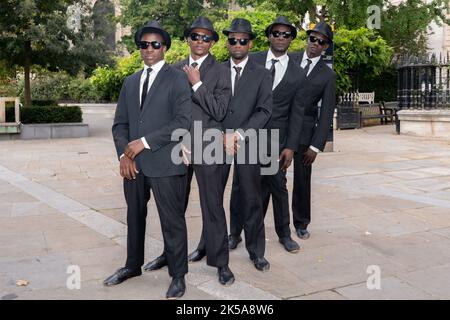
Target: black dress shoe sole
196	259
228	283
106	284
154	268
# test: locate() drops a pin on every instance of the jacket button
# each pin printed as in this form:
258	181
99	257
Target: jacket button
231	111
141	121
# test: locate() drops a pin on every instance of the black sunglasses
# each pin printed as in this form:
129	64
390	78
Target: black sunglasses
196	36
155	44
314	39
234	41
285	34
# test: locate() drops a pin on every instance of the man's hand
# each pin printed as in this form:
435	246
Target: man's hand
193	74
128	168
286	157
230	142
186	154
308	157
134	148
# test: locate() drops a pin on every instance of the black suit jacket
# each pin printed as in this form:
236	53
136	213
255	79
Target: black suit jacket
167	108
251	105
320	84
210	101
288	108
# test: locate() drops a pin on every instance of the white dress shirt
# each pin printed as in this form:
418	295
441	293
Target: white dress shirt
155	69
314	62
241	64
199	64
280	66
305	62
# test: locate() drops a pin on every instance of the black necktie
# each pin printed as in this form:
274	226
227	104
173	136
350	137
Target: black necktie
272	68
194	64
309	61
236	77
145	87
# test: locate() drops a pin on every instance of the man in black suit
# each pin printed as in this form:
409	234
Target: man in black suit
250	108
320	85
153	103
287	118
211	93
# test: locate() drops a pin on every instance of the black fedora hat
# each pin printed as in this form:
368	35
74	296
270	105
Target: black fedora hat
323	29
284	21
202	23
153	27
240	25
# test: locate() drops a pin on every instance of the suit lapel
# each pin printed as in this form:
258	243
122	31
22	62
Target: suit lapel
206	65
317	70
246	76
159	78
135	97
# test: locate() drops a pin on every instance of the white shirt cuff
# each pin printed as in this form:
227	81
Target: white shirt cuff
121	156
314	149
196	86
145	143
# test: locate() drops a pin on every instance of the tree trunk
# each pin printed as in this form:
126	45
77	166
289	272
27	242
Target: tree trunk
26	67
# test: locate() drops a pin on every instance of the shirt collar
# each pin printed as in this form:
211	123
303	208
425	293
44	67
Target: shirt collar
156	67
199	61
281	59
313	60
241	64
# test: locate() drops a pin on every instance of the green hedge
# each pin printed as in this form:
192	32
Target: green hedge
47	114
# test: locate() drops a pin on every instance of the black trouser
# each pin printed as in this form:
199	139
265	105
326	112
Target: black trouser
214	239
271	185
169	195
247	198
301	194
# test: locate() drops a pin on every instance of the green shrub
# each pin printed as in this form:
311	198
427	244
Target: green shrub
46	114
8	88
108	80
43	103
47	86
82	90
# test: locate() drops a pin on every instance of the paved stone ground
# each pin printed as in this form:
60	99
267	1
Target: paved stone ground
379	200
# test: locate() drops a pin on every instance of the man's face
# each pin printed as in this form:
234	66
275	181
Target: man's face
239	51
200	47
278	42
314	49
151	55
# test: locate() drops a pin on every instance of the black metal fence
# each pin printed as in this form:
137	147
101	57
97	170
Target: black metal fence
423	82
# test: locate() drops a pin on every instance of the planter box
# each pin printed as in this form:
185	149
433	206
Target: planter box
54	130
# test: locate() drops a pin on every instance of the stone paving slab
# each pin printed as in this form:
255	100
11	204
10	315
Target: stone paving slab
379	199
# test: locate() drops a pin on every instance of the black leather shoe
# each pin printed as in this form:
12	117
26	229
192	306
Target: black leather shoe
121	275
289	244
226	277
176	289
156	264
233	241
261	264
303	234
196	255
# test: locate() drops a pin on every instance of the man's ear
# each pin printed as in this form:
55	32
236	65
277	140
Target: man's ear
250	44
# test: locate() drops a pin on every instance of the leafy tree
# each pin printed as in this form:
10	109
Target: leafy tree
174	15
36	32
405	27
360	52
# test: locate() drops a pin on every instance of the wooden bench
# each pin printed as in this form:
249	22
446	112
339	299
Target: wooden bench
374	111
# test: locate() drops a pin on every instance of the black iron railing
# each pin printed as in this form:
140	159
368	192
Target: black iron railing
423	82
